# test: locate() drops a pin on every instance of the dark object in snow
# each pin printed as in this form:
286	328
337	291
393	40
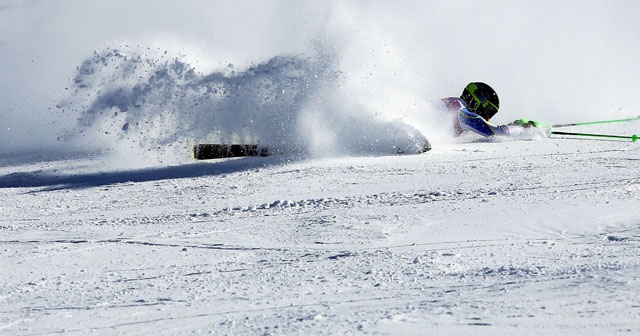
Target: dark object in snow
219	151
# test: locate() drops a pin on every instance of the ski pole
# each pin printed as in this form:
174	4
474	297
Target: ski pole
633	137
595	122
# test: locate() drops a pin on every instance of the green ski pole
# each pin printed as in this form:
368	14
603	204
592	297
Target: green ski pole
633	137
595	122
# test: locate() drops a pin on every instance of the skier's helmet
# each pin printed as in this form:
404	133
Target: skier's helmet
481	99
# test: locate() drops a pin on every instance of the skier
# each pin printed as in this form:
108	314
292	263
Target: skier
477	104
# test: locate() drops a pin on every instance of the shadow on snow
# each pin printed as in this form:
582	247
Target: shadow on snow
49	181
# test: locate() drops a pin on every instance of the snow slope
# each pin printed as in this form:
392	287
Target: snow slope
107	225
534	237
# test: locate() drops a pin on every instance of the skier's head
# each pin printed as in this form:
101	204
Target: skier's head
481	99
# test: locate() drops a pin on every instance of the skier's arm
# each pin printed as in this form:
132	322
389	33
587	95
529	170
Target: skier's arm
466	120
470	121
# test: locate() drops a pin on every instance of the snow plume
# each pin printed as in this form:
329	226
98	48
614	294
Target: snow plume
156	106
550	61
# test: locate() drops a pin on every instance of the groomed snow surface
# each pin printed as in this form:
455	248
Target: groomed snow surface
107	226
527	237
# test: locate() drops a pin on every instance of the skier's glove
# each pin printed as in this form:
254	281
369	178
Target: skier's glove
526	123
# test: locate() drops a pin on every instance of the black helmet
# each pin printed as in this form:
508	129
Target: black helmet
481	99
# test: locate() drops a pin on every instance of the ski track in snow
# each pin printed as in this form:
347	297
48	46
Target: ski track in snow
536	237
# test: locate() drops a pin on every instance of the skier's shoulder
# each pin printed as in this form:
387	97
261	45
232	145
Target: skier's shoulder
453	103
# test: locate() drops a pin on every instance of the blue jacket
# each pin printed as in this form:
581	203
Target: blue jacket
469	121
